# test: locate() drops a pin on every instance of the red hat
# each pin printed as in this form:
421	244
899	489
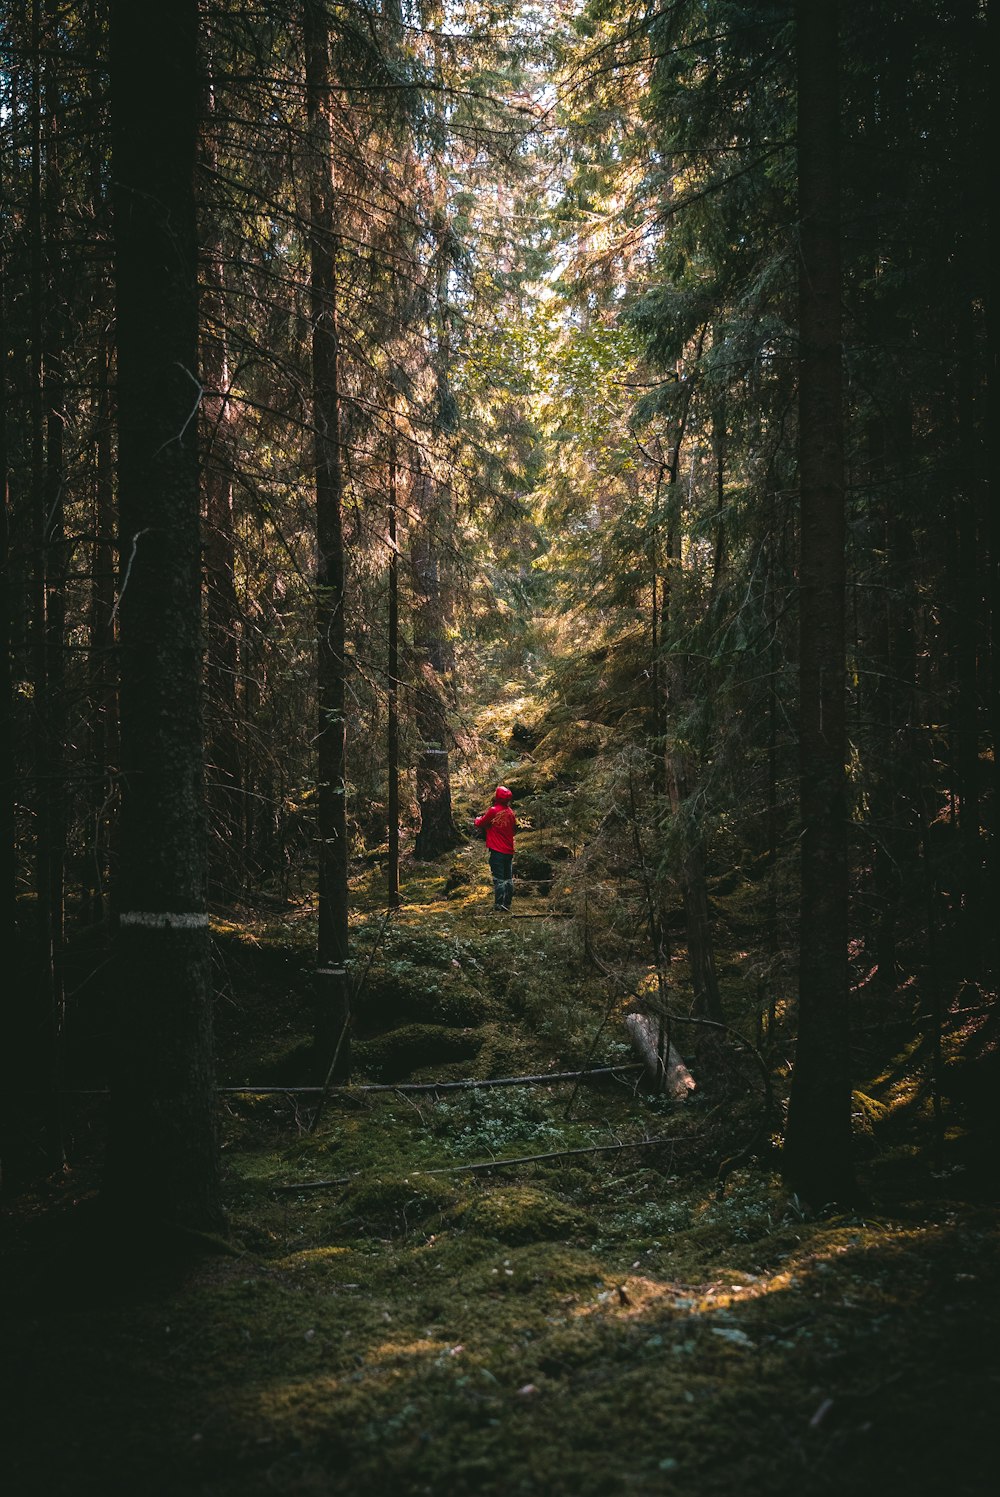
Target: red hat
502	793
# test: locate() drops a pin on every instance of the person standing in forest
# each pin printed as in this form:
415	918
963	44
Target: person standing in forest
499	824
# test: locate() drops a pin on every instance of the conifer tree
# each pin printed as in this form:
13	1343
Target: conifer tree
817	1153
164	1148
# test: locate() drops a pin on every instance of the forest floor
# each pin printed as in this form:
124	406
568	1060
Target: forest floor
598	1323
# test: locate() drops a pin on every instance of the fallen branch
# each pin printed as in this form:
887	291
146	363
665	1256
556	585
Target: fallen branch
472	1084
494	1164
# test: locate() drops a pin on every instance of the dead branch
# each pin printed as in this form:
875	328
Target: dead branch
492	1164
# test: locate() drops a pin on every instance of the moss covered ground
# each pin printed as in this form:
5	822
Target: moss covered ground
599	1323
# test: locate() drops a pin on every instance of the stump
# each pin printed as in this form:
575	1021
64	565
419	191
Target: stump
671	1077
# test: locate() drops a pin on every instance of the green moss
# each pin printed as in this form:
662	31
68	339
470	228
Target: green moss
393	1056
521	1213
405	994
397	1202
600	1324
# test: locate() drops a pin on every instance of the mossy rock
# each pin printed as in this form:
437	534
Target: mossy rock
399	1052
457	880
406	995
535	870
292	1067
397	1201
522	737
867	1111
507	1051
558	853
572	742
867	1116
522	1213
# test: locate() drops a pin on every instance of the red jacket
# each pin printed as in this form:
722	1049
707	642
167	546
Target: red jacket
499	822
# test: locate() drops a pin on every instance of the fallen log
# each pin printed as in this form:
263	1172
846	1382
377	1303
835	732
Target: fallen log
667	1073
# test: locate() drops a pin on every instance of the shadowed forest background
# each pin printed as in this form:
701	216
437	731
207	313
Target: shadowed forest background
595	397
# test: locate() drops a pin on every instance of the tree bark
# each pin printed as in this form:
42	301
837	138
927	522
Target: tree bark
53	766
331	986
45	609
697	919
103	695
434	663
817	1153
663	1066
392	671
8	845
226	855
163	1155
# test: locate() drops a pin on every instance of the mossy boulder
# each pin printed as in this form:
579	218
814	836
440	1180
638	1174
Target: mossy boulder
522	737
403	995
400	1052
397	1201
458	880
867	1116
572	742
536	870
522	1213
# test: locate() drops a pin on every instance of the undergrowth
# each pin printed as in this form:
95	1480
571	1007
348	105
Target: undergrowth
599	1323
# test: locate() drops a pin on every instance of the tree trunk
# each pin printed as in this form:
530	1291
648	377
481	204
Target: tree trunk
40	1056
968	633
392	672
226	854
53	766
991	496
664	1067
13	1171
163	1156
332	1037
434	663
817	1154
8	844
103	697
698	929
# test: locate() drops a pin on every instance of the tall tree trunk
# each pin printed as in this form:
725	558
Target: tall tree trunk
102	677
972	539
432	600
697	919
21	1050
991	498
392	672
8	790
55	568
103	696
163	1157
770	998
332	994
222	608
894	799
12	1122
41	1051
434	662
817	1153
968	635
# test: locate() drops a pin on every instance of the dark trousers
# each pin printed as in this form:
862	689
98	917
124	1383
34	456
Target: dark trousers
502	869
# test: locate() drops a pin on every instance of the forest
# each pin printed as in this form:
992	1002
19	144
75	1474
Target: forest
421	411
